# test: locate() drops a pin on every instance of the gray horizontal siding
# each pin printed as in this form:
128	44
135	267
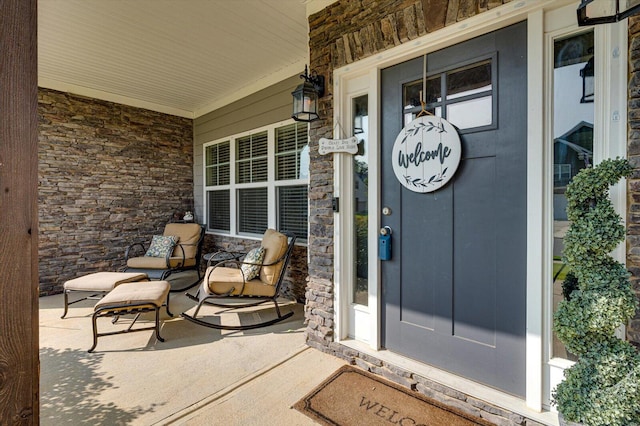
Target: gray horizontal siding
268	106
262	108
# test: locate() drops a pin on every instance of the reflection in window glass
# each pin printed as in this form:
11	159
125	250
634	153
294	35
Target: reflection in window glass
219	217
468	81
269	172
464	95
252	210
251	158
408	117
291	142
361	200
293	210
217	164
572	145
413	93
471	113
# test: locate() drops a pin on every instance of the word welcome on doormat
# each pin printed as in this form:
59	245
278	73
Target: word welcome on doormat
355	397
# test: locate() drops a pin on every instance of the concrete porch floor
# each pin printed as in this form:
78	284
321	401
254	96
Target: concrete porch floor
198	376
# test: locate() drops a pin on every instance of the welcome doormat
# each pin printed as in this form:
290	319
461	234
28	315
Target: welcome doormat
355	397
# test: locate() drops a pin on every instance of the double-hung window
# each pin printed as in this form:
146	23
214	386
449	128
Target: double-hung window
258	180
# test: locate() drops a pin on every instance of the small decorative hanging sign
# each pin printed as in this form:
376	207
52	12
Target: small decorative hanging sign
349	145
426	154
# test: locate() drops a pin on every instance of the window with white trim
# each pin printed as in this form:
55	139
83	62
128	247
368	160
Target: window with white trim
258	180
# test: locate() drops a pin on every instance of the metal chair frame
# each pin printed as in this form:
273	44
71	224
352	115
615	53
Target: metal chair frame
162	274
215	299
116	311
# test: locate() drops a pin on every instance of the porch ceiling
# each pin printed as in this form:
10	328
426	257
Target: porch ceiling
183	57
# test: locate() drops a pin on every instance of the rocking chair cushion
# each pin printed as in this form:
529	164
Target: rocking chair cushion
223	279
161	245
148	262
151	292
275	245
188	235
103	281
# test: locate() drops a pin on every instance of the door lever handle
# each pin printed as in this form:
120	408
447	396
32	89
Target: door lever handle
384	243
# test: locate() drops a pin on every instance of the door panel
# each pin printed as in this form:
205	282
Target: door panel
422	304
454	290
474	256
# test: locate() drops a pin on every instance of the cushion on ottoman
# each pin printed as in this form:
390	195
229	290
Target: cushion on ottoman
103	281
135	294
132	298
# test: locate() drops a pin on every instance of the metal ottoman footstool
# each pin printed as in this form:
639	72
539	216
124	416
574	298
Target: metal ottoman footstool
132	298
98	284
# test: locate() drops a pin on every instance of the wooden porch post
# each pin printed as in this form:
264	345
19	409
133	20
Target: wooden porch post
18	213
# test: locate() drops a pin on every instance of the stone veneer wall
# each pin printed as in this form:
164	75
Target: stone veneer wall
633	183
109	175
344	32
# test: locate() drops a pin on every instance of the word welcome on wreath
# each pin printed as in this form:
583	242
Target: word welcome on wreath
426	154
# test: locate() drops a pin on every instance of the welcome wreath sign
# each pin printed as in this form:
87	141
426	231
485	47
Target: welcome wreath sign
426	154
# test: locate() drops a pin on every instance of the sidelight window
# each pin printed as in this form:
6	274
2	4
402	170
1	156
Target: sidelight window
361	200
573	125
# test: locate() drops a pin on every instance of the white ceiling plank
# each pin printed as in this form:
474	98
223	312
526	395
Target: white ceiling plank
173	55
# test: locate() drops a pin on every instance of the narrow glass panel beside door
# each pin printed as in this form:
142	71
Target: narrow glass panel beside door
360	294
573	117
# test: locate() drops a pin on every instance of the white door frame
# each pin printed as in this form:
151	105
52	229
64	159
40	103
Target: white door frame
609	141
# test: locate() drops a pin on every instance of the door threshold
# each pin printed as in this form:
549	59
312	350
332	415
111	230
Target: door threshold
474	389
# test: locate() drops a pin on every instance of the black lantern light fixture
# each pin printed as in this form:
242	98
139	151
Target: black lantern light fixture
593	12
588	88
306	95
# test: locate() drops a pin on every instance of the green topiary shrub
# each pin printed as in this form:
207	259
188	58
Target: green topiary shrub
569	284
603	387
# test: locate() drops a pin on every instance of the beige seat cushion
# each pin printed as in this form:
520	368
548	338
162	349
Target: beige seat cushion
147	262
143	293
275	245
189	234
103	281
222	280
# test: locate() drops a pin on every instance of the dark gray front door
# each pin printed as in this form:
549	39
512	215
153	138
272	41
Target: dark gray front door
454	292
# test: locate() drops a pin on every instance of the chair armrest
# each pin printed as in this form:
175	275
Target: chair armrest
167	258
170	254
236	264
222	263
131	247
222	256
184	256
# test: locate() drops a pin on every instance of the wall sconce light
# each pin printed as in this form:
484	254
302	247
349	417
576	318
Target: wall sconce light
593	12
588	89
306	95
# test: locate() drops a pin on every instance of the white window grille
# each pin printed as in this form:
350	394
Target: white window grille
258	180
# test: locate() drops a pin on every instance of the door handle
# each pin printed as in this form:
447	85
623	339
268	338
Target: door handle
384	243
